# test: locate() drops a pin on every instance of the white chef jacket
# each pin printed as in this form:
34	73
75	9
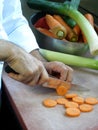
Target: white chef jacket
14	26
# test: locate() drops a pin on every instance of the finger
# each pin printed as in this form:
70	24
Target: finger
26	80
63	74
16	76
70	75
40	77
43	78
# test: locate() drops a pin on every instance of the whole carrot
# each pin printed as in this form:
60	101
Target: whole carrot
77	29
46	32
90	18
71	35
55	27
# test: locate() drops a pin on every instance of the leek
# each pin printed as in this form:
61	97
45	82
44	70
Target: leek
69	59
66	9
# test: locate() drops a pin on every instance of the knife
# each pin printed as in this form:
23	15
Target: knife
54	83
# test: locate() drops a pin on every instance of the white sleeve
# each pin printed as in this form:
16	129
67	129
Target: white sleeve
24	37
3	34
17	27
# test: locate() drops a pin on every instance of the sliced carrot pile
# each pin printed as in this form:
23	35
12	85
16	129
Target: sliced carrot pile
72	112
86	107
91	100
49	103
73	103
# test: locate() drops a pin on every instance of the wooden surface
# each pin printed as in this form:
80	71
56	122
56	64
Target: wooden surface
32	115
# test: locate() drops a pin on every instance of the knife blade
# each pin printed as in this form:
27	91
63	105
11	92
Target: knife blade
54	83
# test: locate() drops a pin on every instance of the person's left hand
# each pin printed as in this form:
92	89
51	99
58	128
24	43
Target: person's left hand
59	70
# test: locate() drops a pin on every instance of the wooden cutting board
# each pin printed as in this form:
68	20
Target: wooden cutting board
32	115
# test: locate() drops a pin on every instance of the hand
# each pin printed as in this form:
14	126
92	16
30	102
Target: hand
29	70
59	70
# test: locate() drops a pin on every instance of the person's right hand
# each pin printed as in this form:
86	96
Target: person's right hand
30	70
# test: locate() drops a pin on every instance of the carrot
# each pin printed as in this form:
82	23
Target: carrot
71	104
78	99
55	27
41	23
85	107
90	18
91	100
49	102
46	32
71	36
70	95
61	101
77	29
62	90
72	112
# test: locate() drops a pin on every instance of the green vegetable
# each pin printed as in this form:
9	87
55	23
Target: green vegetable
66	9
69	21
70	59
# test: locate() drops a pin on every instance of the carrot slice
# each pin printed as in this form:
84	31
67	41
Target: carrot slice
61	101
78	99
61	90
55	26
91	100
85	107
71	95
49	102
71	104
72	112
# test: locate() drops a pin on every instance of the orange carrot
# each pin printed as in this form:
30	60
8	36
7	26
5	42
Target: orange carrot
72	112
46	32
71	35
61	90
55	27
77	29
90	18
49	102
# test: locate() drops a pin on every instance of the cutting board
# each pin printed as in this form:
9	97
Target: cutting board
27	104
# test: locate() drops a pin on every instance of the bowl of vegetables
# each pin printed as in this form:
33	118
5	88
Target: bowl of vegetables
51	36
